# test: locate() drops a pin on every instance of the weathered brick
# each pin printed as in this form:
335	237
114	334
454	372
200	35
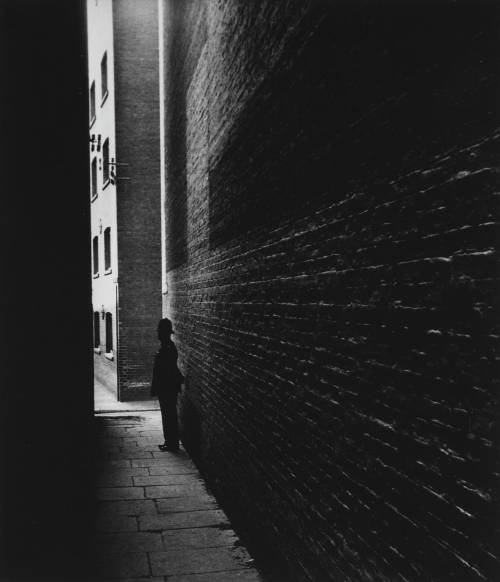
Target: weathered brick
333	277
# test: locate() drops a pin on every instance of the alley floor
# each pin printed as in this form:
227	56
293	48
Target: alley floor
156	521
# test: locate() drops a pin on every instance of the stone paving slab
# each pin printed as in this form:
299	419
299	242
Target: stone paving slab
110	493
198	537
199	560
115	480
119	543
116	523
159	491
128	507
186	519
123	565
156	520
165	479
232	576
162	462
185	504
157	469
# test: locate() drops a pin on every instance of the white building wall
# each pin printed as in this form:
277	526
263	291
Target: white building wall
103	206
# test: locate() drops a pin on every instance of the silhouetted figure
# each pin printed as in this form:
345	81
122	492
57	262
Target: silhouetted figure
166	384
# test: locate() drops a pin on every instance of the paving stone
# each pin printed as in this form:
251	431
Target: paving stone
172	470
129	542
114	464
179	455
152	433
166	479
138	454
161	462
199	537
114	480
159	491
129	471
180	504
186	519
130	507
128	440
110	493
122	565
116	523
149	447
192	561
231	576
156	520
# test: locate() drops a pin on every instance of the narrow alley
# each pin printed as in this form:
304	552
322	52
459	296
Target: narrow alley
280	219
156	521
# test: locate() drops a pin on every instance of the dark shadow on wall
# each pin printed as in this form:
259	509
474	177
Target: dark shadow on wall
46	403
182	17
190	427
375	89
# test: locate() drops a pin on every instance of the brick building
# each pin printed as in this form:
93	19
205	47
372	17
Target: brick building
124	190
330	266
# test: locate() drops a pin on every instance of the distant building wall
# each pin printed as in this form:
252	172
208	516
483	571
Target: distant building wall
129	202
138	191
103	202
331	256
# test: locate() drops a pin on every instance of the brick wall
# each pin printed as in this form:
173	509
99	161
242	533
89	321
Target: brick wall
138	192
331	173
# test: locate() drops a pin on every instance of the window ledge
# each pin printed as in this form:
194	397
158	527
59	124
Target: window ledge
95	275
106	184
97	350
108	271
104	97
93	197
109	355
92	121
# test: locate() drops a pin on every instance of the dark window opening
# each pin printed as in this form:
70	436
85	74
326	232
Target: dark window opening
97	330
94	178
95	253
92	101
105	161
107	249
109	333
104	75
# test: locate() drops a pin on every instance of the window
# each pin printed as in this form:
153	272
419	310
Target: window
97	330
95	252
109	333
107	249
93	183
104	76
105	161
92	102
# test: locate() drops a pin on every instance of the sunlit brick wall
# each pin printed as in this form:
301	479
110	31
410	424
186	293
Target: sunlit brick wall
138	192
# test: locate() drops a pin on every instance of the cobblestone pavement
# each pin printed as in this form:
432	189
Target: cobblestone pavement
156	521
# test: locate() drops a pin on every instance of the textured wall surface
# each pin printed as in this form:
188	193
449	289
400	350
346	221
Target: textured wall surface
332	269
138	192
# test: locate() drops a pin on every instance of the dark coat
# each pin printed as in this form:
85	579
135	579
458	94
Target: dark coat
167	377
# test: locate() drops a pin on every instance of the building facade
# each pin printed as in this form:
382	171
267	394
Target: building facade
124	191
330	270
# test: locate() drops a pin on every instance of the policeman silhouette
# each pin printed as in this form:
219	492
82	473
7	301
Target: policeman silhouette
166	384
